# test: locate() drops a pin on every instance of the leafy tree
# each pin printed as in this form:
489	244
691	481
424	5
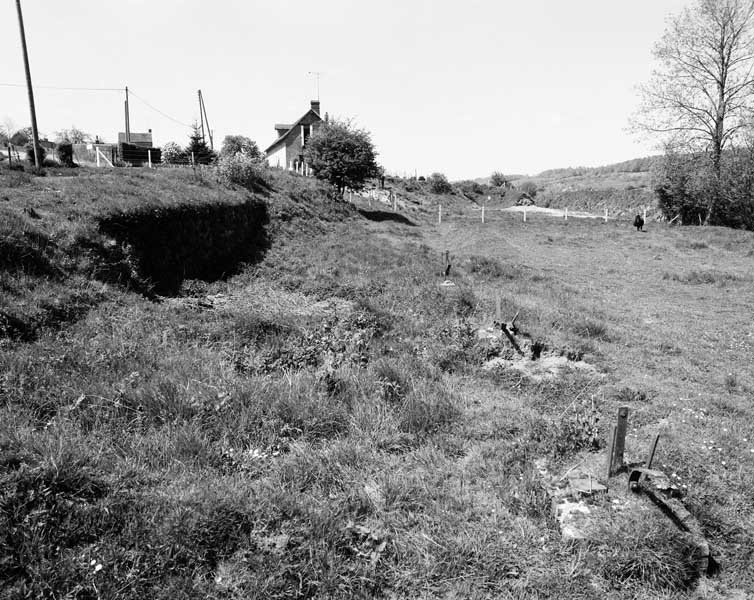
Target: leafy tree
235	144
701	95
341	154
22	137
438	184
72	135
199	148
498	179
172	154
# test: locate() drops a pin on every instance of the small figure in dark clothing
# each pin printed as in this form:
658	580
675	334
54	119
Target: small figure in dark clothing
638	223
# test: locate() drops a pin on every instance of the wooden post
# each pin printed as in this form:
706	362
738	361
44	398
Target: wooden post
395	202
610	451
192	160
149	158
482	213
10	156
618	444
97	153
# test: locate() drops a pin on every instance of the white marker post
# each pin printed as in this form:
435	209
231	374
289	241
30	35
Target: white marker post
566	213
149	158
645	214
524	214
605	215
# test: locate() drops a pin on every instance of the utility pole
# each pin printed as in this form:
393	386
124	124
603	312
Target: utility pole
128	120
317	73
201	114
205	119
34	131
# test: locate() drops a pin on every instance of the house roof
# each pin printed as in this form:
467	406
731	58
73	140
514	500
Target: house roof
282	138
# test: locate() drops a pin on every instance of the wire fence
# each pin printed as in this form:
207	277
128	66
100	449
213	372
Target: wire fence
452	212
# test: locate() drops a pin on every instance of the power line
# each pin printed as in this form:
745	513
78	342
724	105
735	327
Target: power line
97	89
167	116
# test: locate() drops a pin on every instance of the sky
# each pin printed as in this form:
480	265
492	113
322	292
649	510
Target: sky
462	88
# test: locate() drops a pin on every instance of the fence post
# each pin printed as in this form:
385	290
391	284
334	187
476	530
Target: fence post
482	213
10	156
566	213
149	158
524	213
395	202
605	214
439	214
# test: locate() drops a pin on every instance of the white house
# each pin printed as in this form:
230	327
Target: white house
287	152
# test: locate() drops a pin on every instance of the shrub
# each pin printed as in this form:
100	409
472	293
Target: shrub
235	144
438	184
172	154
341	155
64	150
498	179
529	188
29	148
241	169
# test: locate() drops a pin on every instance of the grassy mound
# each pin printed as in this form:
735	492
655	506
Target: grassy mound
319	424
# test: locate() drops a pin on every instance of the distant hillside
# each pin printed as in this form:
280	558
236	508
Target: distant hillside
622	188
635	165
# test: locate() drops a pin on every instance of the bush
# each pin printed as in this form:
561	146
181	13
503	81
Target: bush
235	144
242	170
684	185
529	188
29	148
438	184
342	155
498	179
172	154
64	150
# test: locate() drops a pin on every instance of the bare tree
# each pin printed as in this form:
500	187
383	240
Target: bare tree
701	95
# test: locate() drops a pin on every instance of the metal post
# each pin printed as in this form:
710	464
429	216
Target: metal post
32	110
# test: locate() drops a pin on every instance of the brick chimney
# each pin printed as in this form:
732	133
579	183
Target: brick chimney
315	106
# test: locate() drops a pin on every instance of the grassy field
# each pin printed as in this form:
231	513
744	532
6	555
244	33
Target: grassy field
320	423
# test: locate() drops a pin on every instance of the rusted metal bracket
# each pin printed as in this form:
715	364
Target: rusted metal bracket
657	487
